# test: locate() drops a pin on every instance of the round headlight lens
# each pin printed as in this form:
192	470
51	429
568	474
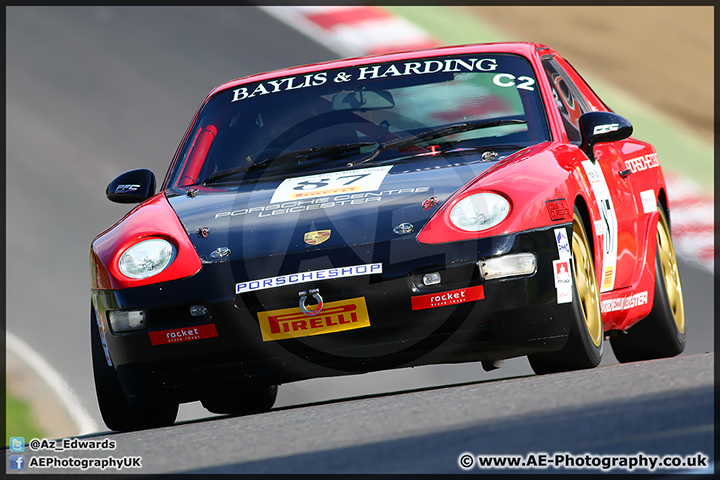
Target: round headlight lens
147	258
479	212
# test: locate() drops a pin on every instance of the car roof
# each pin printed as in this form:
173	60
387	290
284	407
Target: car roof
526	49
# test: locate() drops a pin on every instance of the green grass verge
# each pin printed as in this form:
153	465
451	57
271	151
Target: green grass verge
679	149
20	422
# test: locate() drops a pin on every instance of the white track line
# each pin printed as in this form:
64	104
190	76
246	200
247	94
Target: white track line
71	402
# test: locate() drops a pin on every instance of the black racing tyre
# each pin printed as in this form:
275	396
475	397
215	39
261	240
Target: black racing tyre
662	333
117	413
243	401
584	347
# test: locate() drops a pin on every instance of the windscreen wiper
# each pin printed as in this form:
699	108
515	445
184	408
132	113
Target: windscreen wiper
321	151
306	153
436	133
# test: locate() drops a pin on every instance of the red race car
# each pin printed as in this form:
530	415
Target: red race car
470	203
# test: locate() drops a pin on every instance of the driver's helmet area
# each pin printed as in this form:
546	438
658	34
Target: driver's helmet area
253	136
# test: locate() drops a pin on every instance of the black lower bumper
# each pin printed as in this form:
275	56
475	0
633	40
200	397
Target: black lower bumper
516	316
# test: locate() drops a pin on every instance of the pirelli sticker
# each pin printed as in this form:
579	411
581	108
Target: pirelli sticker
334	317
331	183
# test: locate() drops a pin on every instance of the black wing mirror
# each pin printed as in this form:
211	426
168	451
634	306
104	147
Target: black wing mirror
134	186
602	127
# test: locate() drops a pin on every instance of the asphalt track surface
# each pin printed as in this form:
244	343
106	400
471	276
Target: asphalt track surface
95	91
657	408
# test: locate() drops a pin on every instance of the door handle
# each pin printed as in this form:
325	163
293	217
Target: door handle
625	173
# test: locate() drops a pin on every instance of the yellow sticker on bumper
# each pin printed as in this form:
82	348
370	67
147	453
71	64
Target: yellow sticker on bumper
334	317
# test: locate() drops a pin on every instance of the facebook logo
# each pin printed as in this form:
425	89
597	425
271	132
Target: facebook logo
17	462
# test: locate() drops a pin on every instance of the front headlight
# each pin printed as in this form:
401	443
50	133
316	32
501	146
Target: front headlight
147	258
479	212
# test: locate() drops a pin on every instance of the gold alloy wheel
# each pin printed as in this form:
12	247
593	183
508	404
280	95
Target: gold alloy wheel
586	283
670	274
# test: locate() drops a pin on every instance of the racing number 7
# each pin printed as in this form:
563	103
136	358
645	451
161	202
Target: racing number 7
326	181
354	177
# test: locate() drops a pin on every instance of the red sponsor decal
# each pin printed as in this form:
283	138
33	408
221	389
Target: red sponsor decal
562	271
453	297
558	210
183	334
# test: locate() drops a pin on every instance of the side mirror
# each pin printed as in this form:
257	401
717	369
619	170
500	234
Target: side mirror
602	127
134	186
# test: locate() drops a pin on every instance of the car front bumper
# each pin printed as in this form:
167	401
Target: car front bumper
517	315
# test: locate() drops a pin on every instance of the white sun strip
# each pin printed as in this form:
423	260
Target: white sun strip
84	422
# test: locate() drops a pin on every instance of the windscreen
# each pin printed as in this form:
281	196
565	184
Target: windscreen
364	115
